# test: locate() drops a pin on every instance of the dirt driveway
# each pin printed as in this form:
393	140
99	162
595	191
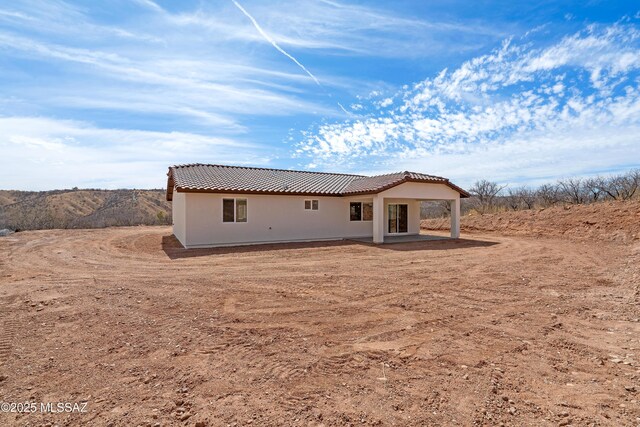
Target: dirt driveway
481	331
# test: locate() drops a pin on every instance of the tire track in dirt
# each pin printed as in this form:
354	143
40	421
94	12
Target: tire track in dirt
266	332
252	355
8	330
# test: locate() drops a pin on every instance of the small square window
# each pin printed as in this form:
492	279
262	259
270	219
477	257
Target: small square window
234	210
314	205
307	204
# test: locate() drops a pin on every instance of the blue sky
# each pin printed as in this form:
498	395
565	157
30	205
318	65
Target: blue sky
108	94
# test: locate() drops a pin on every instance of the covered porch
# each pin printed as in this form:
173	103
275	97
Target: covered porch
396	212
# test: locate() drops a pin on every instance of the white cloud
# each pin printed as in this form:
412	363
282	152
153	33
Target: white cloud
204	89
385	102
340	28
200	66
49	153
518	111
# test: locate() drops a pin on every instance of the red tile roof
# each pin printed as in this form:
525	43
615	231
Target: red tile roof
239	179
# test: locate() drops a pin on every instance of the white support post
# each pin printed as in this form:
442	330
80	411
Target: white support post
378	219
455	218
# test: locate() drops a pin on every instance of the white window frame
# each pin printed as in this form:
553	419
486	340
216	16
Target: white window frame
397	218
311	204
235	210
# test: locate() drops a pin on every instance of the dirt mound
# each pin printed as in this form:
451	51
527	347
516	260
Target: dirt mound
619	221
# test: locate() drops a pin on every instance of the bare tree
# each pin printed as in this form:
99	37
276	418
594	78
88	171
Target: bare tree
527	197
635	176
573	190
594	187
622	187
547	195
513	198
486	193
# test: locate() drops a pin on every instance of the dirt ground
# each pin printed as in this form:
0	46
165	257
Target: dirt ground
485	330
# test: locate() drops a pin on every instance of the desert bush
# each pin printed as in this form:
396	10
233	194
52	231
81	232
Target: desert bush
487	196
37	210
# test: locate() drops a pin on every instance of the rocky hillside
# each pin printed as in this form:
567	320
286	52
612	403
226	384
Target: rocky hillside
33	210
612	220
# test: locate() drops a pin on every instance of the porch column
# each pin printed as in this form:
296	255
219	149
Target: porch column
378	219
455	218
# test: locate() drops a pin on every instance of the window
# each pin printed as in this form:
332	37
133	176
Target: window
227	210
311	205
234	210
367	211
355	211
397	216
241	210
359	211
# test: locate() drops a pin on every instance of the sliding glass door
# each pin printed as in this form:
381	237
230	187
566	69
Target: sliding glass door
398	218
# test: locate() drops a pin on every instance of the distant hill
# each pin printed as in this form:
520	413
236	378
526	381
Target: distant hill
34	210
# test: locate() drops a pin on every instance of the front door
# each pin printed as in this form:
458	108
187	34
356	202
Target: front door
398	222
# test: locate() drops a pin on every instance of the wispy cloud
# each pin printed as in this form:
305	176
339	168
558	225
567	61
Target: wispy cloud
150	4
517	110
341	29
60	150
209	91
94	88
344	28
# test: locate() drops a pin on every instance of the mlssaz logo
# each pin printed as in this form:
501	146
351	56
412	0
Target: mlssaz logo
63	407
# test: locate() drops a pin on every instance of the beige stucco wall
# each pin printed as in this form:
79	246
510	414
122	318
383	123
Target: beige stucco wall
270	219
178	212
411	193
423	191
197	217
413	214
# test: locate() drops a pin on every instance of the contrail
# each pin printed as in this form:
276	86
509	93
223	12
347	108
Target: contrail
273	42
151	4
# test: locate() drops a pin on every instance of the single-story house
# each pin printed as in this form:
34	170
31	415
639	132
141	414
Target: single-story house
215	205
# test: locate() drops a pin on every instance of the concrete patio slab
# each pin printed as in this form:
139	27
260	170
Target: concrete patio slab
401	239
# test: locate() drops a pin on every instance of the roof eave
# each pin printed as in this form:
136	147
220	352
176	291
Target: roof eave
257	192
170	185
463	193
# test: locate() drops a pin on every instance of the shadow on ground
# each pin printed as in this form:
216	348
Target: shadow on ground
174	250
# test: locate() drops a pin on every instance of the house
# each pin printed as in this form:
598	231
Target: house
215	205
